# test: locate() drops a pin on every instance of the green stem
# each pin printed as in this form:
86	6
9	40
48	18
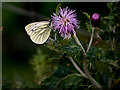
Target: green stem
85	61
88	74
91	39
76	66
79	43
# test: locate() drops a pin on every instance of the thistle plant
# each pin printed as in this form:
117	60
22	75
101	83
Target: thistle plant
73	63
66	24
82	65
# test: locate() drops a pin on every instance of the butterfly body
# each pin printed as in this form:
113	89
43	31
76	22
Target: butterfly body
39	32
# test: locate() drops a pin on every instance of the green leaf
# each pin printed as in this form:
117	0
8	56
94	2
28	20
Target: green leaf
114	7
64	69
94	54
103	73
101	67
89	26
73	81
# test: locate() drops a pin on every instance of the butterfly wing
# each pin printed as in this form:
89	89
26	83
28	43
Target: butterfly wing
38	31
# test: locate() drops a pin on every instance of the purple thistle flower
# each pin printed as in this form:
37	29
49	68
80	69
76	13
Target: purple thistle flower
95	19
65	22
95	16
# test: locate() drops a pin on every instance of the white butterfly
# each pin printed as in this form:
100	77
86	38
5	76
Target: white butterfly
39	32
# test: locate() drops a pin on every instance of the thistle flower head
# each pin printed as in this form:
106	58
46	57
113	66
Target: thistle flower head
95	19
65	22
95	16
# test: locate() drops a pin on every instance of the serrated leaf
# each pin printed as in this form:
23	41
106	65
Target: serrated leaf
64	68
73	81
89	26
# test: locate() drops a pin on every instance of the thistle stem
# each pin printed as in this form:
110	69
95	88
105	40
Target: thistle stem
91	39
85	61
79	43
88	74
76	66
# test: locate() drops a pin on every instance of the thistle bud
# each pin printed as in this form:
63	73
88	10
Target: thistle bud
95	19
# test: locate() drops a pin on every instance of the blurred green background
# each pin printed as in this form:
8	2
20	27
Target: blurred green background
18	50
